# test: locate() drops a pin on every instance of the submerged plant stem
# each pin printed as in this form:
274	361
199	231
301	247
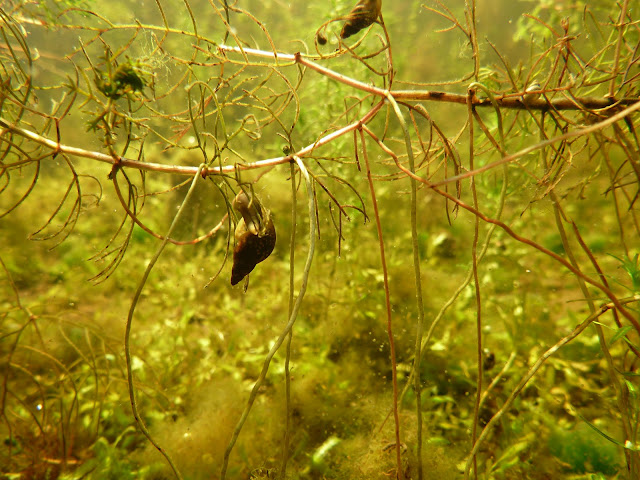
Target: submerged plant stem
127	334
523	382
476	284
632	457
392	347
288	327
418	283
287	379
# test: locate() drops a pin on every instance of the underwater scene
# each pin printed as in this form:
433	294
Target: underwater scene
319	240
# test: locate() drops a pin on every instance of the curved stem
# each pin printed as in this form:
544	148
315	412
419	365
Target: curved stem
523	382
127	334
287	328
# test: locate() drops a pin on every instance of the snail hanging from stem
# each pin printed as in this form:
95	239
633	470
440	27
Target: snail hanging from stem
362	15
365	13
255	235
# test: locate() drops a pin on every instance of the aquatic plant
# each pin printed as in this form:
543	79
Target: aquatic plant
464	300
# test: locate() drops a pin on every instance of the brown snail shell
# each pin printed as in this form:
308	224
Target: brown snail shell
321	38
363	14
255	236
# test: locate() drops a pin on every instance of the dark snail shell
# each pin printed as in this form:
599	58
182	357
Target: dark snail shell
321	38
255	236
363	14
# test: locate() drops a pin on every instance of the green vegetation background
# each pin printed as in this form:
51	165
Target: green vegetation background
197	351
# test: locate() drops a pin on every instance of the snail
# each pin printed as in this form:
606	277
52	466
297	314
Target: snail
321	38
255	236
532	93
363	14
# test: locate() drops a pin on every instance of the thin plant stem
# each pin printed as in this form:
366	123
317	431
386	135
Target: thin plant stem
512	100
468	277
420	306
287	379
417	278
596	127
387	295
616	56
476	282
287	329
127	334
498	378
308	150
470	12
525	379
620	397
123	162
418	286
603	288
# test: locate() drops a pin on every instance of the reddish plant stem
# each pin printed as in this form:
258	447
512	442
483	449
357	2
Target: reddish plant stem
387	299
603	288
476	282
